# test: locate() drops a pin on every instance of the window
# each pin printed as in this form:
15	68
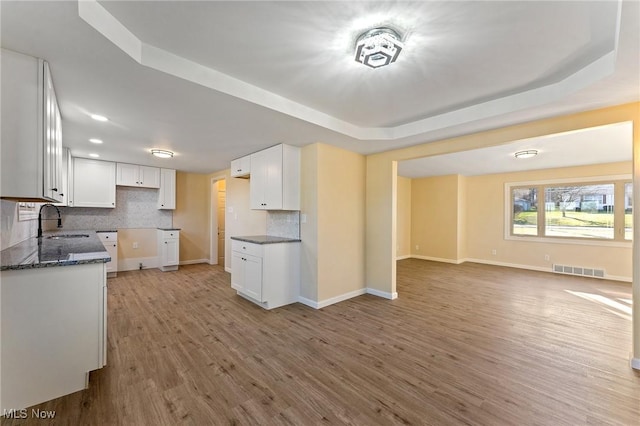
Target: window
571	210
628	211
525	211
581	211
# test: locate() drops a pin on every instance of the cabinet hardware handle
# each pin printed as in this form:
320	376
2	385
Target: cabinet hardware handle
62	195
54	189
165	242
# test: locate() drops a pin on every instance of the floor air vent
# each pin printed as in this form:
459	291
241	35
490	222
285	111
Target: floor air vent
578	270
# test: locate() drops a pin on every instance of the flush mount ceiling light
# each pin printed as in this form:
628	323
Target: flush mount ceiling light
94	155
162	153
526	154
378	47
94	140
99	117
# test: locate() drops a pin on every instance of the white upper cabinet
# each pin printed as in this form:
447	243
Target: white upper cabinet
241	167
167	193
275	178
31	130
94	183
135	175
65	186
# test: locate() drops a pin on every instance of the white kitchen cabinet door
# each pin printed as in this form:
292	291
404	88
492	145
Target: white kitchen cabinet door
237	271
136	175
65	186
266	179
170	252
168	249
167	193
94	183
241	167
246	274
253	277
275	178
149	177
31	149
126	174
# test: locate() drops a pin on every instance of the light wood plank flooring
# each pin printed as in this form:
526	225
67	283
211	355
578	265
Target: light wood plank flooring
463	344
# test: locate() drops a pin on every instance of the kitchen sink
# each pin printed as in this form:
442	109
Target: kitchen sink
63	236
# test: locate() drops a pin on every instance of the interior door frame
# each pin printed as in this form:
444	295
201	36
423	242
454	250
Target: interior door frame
213	220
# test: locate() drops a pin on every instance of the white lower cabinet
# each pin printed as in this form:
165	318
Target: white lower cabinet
168	249
266	274
110	242
54	327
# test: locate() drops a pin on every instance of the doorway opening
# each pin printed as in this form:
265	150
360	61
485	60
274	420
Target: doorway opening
218	209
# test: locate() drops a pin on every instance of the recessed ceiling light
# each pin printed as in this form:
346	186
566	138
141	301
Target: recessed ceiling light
98	117
526	154
162	153
94	140
94	155
378	47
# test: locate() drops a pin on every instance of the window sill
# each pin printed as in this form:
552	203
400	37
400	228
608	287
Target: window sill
581	242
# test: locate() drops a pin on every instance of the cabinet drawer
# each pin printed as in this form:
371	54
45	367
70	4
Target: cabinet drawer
246	248
107	236
169	235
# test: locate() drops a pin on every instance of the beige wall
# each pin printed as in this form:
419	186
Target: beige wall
403	246
333	182
486	224
147	240
381	187
191	215
434	213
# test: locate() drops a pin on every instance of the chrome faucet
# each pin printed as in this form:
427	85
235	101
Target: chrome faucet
40	218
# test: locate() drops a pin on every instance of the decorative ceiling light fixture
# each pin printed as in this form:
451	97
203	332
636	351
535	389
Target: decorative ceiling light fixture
526	154
162	153
378	47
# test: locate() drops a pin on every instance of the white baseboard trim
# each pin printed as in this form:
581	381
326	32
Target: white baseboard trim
227	269
332	300
193	262
133	264
406	256
635	363
438	259
539	268
384	294
311	303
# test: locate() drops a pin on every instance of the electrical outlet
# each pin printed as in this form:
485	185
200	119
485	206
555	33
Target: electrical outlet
546	257
135	245
494	252
417	247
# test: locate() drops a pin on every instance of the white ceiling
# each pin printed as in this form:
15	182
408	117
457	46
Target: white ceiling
603	144
217	80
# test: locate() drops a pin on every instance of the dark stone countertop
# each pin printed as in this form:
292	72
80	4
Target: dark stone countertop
54	251
169	229
266	239
106	230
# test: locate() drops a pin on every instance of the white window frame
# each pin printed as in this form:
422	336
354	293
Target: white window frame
508	211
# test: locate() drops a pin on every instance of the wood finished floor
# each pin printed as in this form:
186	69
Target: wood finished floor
463	344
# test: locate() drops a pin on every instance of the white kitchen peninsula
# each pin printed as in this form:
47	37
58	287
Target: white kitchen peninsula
54	317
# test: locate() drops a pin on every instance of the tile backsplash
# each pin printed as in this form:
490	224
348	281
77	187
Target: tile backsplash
135	208
14	231
283	224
